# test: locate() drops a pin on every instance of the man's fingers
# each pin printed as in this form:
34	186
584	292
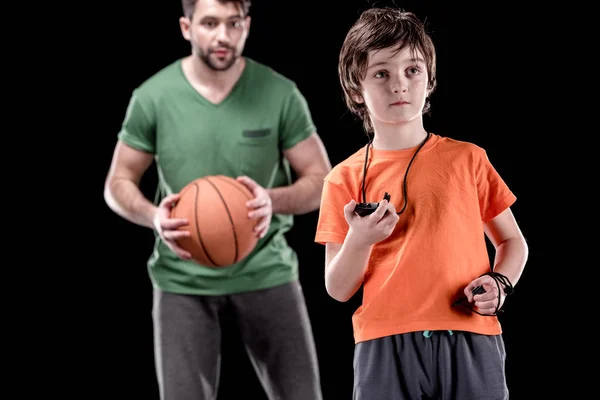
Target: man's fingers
262	233
174	223
182	253
186	255
262	226
172	198
248	182
174	235
259	213
257	202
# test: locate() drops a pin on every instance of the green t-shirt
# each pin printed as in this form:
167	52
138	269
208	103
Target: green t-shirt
245	134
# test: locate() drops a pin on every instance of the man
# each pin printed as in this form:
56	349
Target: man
218	112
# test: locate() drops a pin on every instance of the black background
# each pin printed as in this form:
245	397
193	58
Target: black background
489	86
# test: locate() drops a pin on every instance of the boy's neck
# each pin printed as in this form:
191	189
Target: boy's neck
398	136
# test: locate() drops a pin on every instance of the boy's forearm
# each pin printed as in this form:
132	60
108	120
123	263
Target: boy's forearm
125	199
345	272
511	257
301	197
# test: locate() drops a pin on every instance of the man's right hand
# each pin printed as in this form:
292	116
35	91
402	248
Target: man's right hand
167	227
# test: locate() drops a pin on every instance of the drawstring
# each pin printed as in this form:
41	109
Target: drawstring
428	334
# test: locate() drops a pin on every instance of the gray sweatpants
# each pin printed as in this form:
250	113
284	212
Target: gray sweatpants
274	326
448	365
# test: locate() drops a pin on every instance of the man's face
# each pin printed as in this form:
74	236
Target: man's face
217	33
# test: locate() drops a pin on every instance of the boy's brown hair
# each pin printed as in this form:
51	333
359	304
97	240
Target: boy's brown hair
376	29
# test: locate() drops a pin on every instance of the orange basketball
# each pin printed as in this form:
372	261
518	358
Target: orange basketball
221	233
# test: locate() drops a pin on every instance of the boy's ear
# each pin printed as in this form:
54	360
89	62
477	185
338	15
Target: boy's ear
357	98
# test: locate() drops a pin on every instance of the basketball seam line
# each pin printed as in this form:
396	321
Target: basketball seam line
198	227
230	220
236	188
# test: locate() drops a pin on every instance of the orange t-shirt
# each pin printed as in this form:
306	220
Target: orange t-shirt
438	245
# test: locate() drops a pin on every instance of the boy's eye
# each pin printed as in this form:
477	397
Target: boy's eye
380	74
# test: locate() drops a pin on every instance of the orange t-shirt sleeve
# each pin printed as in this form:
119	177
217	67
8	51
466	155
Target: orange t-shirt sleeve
494	194
332	225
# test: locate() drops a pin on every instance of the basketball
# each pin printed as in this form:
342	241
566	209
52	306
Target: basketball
221	234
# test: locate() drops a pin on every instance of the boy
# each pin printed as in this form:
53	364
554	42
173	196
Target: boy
419	256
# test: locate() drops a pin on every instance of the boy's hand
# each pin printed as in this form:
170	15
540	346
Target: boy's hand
485	302
372	228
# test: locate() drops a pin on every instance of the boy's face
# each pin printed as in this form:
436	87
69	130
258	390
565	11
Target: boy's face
395	86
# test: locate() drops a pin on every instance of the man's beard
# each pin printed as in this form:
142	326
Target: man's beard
206	58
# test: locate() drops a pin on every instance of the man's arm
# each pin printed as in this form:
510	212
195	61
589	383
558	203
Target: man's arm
121	189
311	163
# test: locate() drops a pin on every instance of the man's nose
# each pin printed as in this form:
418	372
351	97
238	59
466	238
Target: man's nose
223	34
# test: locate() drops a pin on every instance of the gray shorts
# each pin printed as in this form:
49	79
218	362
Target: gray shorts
448	365
273	325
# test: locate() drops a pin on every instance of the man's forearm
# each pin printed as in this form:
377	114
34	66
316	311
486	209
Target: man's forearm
125	199
301	197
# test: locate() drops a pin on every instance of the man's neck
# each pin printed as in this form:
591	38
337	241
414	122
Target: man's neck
201	75
399	136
